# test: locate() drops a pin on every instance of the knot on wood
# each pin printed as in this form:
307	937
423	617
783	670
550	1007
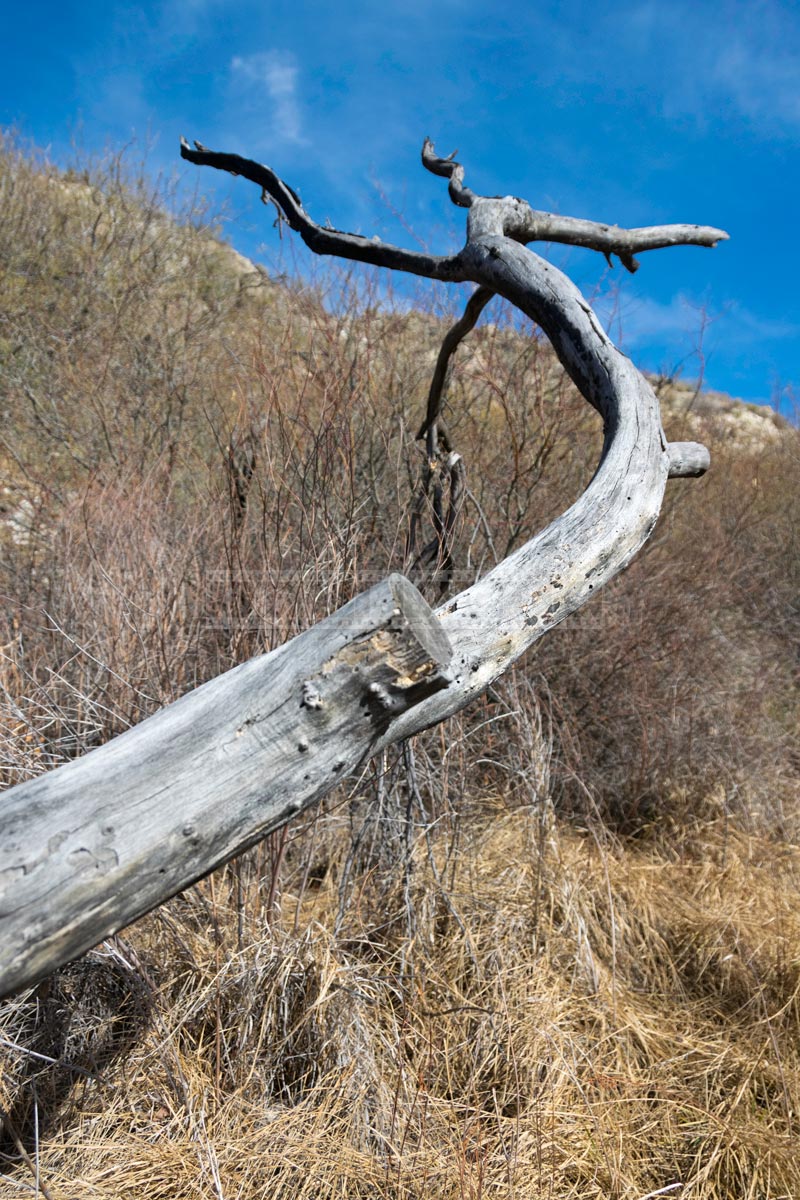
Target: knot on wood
311	696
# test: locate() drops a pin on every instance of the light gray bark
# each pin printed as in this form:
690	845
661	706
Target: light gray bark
90	846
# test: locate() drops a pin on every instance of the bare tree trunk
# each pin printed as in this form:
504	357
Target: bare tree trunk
90	846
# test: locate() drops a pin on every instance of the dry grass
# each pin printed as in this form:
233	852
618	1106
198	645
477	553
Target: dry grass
548	950
562	1018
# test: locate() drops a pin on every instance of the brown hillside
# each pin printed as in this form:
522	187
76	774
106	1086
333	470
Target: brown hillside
549	949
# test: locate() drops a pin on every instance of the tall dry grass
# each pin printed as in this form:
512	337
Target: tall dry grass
560	1017
549	949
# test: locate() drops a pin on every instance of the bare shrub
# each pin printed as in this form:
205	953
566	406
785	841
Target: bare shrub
460	975
680	680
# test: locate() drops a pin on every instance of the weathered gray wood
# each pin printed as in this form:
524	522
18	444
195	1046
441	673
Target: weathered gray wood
86	848
96	843
687	460
497	619
523	223
492	623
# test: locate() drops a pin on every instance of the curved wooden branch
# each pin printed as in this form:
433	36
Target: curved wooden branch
452	340
95	843
441	461
496	620
317	237
448	168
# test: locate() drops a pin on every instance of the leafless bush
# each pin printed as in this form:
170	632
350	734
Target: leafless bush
679	681
434	984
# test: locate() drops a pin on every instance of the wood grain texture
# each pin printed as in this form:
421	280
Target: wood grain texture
88	847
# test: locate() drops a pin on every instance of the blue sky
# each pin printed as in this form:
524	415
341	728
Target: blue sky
635	113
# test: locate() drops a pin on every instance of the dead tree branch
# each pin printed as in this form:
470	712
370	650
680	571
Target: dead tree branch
495	620
525	224
317	237
91	845
442	466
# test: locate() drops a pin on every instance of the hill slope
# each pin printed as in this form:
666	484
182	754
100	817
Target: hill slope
549	949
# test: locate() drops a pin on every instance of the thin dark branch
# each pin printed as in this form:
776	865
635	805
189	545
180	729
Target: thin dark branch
440	459
448	168
318	238
452	339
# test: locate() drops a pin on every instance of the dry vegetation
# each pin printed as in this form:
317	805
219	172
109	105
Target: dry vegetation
549	949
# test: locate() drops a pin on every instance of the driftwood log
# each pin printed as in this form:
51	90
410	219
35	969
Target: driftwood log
88	847
91	845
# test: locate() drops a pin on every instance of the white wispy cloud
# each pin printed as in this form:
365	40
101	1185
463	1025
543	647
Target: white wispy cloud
274	73
633	321
756	328
727	57
761	81
682	321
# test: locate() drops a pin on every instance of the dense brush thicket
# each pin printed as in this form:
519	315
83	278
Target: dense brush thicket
549	949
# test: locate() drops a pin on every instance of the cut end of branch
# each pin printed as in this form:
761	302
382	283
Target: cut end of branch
419	616
629	263
687	460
